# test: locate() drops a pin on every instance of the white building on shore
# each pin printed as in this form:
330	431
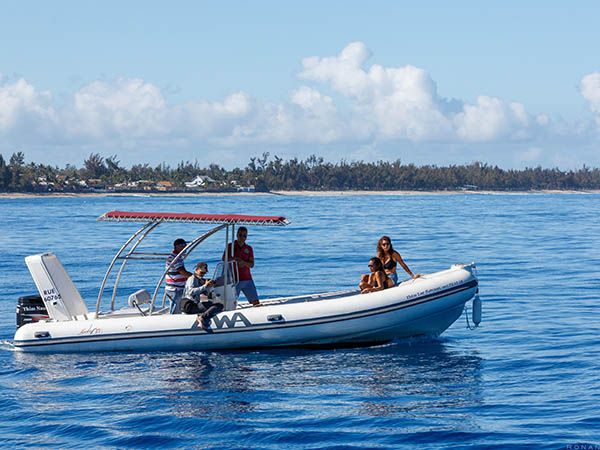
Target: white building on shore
201	181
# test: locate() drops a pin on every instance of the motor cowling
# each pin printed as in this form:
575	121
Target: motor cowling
30	308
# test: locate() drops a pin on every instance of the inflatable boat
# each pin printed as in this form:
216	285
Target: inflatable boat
58	320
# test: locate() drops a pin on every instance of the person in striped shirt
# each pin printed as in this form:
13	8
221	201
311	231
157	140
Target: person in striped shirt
176	276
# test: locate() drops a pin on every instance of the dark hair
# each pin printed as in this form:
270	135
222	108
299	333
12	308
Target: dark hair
381	253
179	241
240	229
377	264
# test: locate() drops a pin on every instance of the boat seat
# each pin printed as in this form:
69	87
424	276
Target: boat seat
140	297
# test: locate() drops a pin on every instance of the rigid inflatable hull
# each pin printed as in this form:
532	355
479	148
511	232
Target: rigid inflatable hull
421	307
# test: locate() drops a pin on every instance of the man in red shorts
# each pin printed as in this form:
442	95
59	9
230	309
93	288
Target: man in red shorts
244	256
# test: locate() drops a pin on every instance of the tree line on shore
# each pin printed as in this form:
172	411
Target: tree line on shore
313	173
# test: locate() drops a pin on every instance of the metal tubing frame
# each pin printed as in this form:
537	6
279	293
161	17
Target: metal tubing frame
226	265
233	238
162	255
125	259
143	258
114	260
183	255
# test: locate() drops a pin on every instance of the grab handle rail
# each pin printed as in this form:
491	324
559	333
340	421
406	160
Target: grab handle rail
114	260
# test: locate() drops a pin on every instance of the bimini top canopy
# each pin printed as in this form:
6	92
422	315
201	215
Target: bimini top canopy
132	216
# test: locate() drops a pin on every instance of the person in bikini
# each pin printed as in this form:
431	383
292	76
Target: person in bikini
377	280
391	258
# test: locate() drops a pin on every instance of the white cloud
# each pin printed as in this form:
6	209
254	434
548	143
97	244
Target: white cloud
312	101
590	90
403	102
491	118
344	72
25	110
206	120
395	102
129	108
315	116
345	101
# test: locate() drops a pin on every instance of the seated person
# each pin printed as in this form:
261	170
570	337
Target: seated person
391	258
197	296
377	280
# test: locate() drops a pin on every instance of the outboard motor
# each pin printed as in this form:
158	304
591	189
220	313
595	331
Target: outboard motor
30	308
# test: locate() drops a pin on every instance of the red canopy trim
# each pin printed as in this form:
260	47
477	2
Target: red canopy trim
131	216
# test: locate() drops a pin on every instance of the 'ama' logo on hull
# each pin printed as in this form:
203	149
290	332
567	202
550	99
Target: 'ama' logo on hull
229	322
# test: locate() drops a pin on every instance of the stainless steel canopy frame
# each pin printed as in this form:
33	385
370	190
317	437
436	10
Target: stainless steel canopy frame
152	221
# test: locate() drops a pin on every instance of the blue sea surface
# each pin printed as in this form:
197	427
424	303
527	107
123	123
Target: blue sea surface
529	377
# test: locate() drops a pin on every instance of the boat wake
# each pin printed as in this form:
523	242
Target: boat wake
7	346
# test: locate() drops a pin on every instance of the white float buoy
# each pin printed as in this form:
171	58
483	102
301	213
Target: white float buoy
476	310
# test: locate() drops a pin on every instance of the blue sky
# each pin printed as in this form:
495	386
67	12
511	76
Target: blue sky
219	82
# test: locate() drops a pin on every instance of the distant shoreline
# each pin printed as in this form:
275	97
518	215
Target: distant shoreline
455	192
121	194
16	195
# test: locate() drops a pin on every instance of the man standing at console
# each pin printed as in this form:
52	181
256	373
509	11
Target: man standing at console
244	256
176	276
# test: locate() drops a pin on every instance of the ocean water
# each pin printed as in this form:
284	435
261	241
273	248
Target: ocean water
529	377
